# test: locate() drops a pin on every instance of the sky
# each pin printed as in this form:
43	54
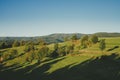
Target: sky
44	17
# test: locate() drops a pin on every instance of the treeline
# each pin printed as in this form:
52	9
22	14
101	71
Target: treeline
6	44
35	53
39	49
17	43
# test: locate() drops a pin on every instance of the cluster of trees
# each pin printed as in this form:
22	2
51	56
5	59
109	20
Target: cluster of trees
11	43
36	53
16	43
62	50
42	50
29	48
5	44
88	41
85	41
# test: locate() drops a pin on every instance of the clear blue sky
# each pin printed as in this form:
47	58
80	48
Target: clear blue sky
43	17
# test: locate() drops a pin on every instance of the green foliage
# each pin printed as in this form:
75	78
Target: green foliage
4	45
56	46
43	52
74	37
29	43
70	48
30	56
61	51
41	42
93	39
102	44
16	43
84	41
105	34
22	43
55	53
29	48
13	53
6	56
85	38
66	38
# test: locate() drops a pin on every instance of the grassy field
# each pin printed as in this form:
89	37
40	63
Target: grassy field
89	64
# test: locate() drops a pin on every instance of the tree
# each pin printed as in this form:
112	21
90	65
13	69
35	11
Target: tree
61	51
43	52
30	56
22	43
29	43
74	37
69	49
41	42
84	41
55	53
66	38
3	45
55	46
93	39
16	43
29	47
102	44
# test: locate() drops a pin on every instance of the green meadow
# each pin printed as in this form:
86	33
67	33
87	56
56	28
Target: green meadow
82	64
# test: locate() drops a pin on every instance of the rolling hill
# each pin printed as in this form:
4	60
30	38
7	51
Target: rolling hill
59	37
86	64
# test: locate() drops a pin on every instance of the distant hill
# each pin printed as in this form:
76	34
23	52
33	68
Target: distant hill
105	34
59	37
52	38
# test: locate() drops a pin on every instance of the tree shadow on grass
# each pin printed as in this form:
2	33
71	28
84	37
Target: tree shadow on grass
11	74
115	47
15	57
106	67
101	68
39	73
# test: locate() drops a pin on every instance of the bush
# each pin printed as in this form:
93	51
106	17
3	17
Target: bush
29	48
94	39
102	44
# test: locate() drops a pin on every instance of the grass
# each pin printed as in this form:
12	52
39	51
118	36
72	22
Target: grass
84	66
89	64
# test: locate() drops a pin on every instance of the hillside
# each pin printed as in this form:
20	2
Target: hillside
59	37
83	64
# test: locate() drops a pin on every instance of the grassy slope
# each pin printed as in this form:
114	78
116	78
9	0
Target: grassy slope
91	64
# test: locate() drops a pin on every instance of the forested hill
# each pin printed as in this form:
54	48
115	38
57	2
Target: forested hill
59	37
52	38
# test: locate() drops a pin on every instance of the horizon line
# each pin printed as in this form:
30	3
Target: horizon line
59	33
